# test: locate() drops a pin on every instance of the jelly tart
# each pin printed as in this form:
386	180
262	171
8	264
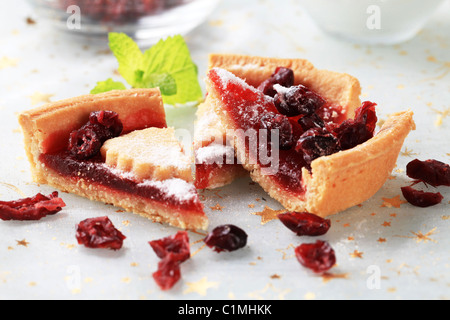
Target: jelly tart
326	162
212	170
115	148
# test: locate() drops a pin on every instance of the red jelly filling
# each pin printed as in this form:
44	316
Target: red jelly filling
96	172
82	160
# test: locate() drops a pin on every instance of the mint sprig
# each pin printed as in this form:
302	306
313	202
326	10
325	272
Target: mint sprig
167	65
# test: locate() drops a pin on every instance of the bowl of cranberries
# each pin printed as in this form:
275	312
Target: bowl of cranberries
147	21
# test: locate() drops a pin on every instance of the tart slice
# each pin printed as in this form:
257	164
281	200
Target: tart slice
323	165
212	168
115	148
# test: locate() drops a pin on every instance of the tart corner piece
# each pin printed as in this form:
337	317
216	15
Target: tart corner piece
351	177
162	197
334	182
338	88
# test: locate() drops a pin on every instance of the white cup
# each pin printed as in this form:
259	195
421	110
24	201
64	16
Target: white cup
372	21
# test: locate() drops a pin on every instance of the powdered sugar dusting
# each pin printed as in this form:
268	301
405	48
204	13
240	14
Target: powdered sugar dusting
177	188
214	153
172	188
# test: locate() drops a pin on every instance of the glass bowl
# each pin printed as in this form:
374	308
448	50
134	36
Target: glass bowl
147	21
372	21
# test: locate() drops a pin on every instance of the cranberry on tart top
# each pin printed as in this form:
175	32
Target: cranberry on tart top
341	91
326	165
89	146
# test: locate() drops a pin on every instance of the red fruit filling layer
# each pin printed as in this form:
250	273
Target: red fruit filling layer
82	160
309	127
34	208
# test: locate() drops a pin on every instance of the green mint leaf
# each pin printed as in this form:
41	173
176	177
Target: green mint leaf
129	56
108	85
166	83
172	57
167	65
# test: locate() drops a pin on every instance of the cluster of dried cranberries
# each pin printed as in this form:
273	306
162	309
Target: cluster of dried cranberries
321	136
432	172
86	142
320	256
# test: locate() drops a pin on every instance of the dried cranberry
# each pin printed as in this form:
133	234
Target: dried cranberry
282	76
34	208
172	251
85	143
176	246
432	172
226	238
310	122
367	114
316	143
109	120
353	132
296	101
319	257
271	122
420	198
168	273
305	224
99	233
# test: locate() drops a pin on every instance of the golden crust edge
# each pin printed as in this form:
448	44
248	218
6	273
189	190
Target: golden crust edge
339	88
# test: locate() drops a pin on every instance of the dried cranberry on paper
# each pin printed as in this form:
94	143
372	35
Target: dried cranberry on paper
172	251
226	238
319	257
176	246
168	273
99	233
432	172
305	224
420	198
34	208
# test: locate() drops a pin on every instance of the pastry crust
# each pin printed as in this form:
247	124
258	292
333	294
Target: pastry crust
336	182
46	130
338	88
